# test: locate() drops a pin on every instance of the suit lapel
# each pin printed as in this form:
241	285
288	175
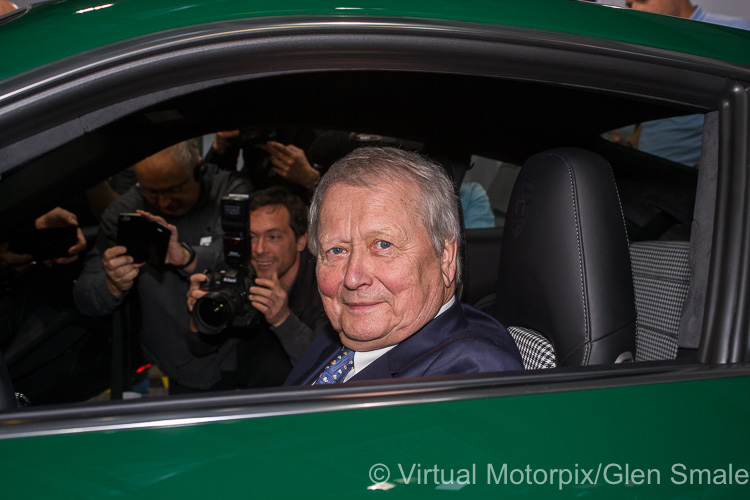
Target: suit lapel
398	360
322	350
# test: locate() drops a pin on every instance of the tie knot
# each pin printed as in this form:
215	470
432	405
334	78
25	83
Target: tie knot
336	369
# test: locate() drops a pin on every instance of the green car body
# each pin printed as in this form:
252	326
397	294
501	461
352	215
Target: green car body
672	428
55	30
645	441
655	430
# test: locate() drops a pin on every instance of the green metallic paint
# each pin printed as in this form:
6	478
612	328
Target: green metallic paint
54	30
701	424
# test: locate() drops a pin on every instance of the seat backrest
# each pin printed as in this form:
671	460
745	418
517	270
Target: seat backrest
564	266
661	277
480	276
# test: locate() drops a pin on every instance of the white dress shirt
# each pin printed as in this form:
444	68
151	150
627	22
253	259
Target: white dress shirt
363	359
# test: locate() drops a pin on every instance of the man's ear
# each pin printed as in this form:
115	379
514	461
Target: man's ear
448	262
301	242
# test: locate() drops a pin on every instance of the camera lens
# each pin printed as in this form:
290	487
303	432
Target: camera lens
215	311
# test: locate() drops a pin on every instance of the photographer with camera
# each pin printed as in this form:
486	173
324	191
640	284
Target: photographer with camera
291	157
267	303
268	156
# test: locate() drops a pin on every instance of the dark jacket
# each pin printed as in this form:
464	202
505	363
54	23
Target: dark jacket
266	354
461	340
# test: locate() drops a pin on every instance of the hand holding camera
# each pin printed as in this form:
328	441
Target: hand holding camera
219	300
270	299
290	162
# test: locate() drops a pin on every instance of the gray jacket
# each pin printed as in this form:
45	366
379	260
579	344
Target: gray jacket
162	296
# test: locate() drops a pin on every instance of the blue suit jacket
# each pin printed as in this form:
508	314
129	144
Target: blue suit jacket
461	340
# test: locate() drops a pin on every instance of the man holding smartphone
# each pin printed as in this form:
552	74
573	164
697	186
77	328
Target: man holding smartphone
176	190
32	296
284	292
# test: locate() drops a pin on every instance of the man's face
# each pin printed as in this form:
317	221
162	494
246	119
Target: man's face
167	185
665	7
274	247
378	273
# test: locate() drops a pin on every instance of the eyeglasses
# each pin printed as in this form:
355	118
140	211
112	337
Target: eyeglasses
155	193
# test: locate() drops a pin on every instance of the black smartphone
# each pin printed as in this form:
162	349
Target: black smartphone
43	244
147	241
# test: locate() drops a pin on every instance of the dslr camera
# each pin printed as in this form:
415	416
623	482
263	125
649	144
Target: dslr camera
226	303
258	135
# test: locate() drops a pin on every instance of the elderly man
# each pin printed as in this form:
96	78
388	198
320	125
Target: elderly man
384	227
186	196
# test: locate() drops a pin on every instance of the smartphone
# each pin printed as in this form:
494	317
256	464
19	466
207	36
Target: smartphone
147	241
43	244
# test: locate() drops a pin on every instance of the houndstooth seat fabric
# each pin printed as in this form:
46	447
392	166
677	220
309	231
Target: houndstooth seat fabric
661	276
536	350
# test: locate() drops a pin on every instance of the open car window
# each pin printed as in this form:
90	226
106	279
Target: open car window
657	200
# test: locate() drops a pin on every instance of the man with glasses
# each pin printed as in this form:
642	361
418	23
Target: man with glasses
178	191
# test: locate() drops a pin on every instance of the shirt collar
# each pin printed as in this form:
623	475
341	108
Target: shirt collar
364	359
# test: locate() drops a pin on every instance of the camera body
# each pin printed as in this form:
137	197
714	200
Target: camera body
258	135
226	303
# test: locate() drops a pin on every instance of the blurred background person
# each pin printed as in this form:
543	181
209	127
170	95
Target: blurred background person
6	6
678	138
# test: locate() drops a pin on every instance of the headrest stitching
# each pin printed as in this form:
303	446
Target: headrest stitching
587	333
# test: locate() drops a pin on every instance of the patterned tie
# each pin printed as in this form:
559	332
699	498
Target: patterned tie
336	370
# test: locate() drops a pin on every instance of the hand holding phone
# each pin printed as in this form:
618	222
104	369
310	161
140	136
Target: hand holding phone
43	244
57	239
59	217
146	241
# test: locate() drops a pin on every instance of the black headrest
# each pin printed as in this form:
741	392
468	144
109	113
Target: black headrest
564	264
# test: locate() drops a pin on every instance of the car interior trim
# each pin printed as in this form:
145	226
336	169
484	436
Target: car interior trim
262	403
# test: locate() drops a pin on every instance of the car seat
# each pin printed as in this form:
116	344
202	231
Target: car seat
661	279
564	273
